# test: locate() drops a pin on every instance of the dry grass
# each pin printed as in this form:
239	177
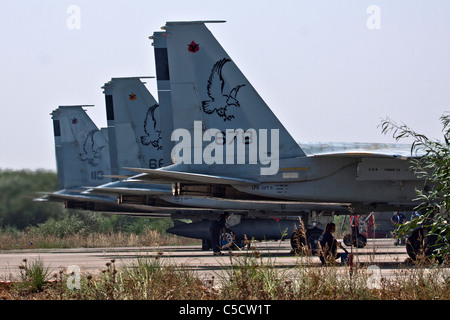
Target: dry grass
27	240
246	277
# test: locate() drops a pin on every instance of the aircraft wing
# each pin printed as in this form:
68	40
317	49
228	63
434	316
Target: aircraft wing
110	206
130	191
73	196
124	187
177	176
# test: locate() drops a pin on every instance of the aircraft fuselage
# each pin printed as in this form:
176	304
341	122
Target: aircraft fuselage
338	179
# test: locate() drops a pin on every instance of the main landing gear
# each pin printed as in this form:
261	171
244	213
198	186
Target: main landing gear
306	243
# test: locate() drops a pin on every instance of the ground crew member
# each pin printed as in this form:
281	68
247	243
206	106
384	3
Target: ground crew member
328	244
398	219
217	231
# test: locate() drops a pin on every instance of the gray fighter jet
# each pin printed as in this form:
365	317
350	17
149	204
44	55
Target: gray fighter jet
128	106
228	144
83	160
82	156
224	160
226	135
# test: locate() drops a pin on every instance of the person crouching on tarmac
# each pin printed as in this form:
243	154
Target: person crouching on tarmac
217	231
328	245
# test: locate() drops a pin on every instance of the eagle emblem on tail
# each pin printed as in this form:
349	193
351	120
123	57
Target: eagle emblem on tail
220	100
151	129
91	152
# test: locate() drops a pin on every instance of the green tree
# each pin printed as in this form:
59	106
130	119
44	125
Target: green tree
17	191
434	166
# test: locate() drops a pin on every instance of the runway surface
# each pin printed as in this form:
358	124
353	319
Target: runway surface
380	252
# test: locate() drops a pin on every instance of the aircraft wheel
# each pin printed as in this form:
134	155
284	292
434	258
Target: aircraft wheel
414	243
307	243
313	236
432	244
361	242
418	243
229	243
347	240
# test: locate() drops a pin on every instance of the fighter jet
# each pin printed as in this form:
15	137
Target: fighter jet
133	116
127	123
134	136
228	144
82	156
250	206
117	94
83	160
202	113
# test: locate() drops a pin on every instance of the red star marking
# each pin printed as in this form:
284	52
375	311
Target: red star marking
193	47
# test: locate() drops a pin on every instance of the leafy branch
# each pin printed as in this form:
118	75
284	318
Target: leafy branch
430	162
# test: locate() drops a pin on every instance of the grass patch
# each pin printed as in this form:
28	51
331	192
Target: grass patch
33	275
29	239
247	277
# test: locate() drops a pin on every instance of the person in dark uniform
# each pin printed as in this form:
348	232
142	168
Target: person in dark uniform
328	244
217	230
398	219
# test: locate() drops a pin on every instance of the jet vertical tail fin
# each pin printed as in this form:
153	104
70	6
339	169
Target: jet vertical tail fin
207	86
133	118
58	148
81	149
164	92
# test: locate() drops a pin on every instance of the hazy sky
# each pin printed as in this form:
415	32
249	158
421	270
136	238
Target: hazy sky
330	70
